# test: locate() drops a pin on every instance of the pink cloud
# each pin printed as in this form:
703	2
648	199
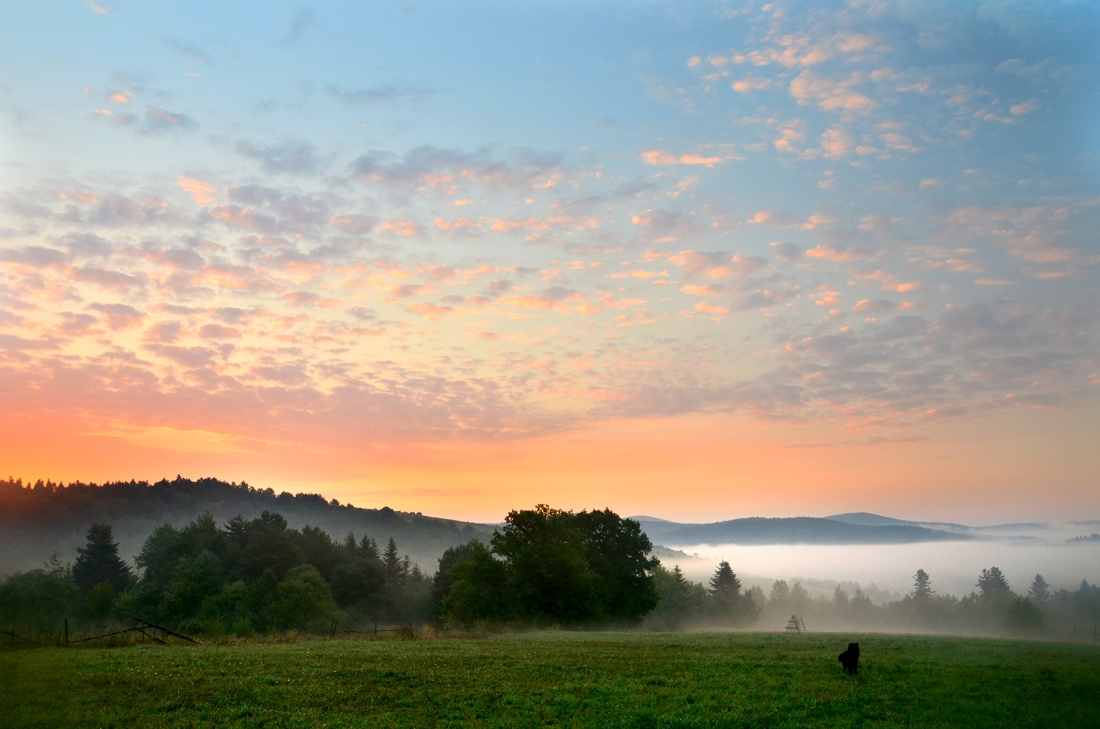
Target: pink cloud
118	316
664	157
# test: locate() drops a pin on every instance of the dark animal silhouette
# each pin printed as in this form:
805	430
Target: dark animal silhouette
850	659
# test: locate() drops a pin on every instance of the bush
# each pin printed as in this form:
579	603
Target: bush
37	601
243	628
213	628
1023	616
99	601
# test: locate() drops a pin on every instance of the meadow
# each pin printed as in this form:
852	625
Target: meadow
557	679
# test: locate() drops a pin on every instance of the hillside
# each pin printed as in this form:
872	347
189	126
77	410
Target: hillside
866	519
36	521
797	530
40	519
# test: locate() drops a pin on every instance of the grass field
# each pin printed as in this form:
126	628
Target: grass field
558	679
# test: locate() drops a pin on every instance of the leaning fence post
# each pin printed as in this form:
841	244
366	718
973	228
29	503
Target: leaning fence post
66	631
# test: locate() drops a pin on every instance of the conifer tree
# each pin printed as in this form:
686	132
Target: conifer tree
1039	590
922	586
98	561
395	568
725	584
992	583
681	581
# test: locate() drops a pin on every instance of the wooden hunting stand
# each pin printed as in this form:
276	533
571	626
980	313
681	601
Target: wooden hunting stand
795	625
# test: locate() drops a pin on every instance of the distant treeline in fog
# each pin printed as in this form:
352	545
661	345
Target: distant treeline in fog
543	567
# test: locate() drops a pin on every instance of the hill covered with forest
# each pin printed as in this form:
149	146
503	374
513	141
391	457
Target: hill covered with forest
41	518
792	530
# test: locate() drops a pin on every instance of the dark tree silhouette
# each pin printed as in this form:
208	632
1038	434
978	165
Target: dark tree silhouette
236	531
98	562
271	546
992	583
1039	590
922	586
548	572
618	553
724	583
441	583
681	581
396	570
479	589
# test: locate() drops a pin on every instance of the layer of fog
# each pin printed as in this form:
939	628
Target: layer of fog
885	571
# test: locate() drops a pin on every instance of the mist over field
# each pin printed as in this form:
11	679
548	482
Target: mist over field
888	568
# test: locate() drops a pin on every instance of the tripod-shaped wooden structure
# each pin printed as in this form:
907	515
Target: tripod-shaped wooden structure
795	625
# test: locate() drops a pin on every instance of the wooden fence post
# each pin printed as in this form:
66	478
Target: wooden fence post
66	631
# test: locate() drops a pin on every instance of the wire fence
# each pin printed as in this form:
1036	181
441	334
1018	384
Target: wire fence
159	634
146	629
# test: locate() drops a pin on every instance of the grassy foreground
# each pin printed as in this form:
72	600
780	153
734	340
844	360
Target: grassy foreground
566	679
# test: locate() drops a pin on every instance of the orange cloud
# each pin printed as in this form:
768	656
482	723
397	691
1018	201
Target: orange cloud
400	228
664	157
710	308
201	192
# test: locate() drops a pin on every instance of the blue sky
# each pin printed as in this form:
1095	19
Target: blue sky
391	234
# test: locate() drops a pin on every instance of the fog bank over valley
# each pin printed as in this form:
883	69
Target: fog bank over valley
885	571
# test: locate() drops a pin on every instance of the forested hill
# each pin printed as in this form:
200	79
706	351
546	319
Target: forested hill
797	530
38	519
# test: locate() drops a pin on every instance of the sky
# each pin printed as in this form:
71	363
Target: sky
695	260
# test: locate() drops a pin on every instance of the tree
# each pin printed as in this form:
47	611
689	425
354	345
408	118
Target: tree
270	545
672	593
1039	590
441	582
1023	616
396	570
548	573
724	585
840	599
780	595
319	550
922	586
799	599
303	600
681	581
193	582
37	600
860	606
99	601
98	561
160	554
617	551
236	530
993	584
478	590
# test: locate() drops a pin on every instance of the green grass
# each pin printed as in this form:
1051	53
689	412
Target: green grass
558	679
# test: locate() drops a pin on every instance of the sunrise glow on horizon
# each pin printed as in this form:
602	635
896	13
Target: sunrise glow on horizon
693	260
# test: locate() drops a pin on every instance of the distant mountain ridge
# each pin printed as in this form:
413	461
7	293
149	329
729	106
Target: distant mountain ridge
794	530
36	521
867	519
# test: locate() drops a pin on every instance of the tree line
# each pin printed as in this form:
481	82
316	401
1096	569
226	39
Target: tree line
36	518
543	567
994	608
